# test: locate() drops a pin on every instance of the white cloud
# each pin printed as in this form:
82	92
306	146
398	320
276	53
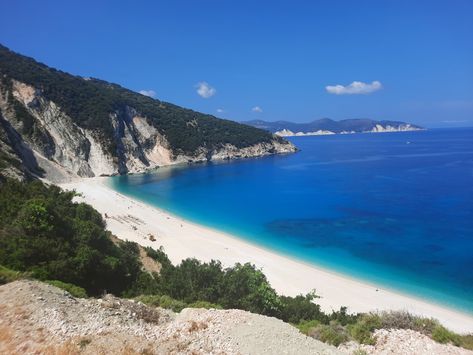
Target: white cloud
205	90
356	87
257	109
220	110
150	93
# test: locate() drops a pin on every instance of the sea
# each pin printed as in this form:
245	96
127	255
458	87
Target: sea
393	209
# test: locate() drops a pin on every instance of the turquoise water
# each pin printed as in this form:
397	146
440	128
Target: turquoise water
395	209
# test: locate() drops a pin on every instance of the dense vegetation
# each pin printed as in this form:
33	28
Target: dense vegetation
90	102
44	235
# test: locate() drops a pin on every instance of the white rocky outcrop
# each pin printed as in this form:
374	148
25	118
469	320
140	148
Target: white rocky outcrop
64	150
400	128
376	129
289	133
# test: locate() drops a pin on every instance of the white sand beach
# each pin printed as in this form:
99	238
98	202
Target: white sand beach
133	220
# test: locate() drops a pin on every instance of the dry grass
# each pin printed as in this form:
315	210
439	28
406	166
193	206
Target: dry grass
12	344
7	345
131	351
20	313
196	326
149	264
67	348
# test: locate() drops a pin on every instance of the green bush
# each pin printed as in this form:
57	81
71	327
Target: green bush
363	329
150	300
425	325
7	275
359	352
305	326
442	335
159	255
162	301
299	308
44	233
466	341
397	320
343	317
334	333
74	290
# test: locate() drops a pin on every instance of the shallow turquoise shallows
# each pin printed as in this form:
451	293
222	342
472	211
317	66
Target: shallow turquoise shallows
392	208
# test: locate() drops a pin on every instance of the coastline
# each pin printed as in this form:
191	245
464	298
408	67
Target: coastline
134	220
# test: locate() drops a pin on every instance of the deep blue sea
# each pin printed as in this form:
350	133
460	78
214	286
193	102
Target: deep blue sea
395	209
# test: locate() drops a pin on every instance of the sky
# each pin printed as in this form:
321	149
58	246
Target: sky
272	60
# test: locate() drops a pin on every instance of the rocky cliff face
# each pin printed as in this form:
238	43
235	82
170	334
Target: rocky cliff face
38	132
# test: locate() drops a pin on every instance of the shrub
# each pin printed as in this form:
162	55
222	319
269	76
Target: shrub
150	300
443	335
162	301
405	320
42	231
360	352
467	341
299	308
343	317
74	290
158	255
425	325
397	320
334	333
362	330
305	326
7	275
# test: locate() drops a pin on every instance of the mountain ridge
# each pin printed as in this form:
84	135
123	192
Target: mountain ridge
57	125
328	126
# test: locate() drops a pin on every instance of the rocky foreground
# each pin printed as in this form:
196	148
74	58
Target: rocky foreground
38	318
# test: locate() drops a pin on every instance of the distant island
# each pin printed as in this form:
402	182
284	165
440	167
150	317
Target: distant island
327	126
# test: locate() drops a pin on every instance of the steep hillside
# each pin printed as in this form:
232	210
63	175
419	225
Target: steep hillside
62	125
328	126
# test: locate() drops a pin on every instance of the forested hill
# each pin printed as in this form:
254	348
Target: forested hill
111	129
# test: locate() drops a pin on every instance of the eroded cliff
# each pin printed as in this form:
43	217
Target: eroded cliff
60	126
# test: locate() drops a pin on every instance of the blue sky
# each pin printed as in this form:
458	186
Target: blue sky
269	60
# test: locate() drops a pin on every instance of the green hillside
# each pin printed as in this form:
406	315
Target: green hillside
90	102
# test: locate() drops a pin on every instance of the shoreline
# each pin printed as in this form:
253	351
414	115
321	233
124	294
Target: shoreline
133	220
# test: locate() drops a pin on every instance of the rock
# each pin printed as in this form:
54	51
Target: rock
64	321
64	150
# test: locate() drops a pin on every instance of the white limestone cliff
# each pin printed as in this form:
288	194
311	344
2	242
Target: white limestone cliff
65	150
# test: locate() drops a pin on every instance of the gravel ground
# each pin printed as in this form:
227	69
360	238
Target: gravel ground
39	318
